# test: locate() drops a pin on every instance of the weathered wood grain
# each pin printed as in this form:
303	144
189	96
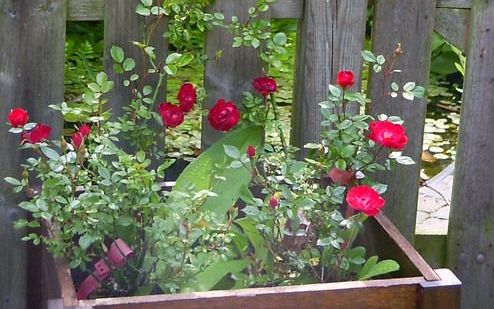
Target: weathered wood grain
287	9
440	294
409	23
32	35
471	232
330	39
452	24
454	4
122	27
85	10
231	74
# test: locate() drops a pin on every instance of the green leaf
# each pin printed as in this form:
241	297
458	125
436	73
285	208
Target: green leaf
213	274
147	2
117	53
50	153
172	58
347	151
199	172
369	56
373	269
280	38
142	10
129	64
12	181
254	236
232	151
86	240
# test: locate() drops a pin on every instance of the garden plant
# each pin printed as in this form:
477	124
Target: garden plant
245	213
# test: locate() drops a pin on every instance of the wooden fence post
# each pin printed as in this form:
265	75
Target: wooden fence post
230	75
471	225
411	24
32	37
122	27
330	38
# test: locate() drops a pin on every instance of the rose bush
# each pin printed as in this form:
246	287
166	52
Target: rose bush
296	223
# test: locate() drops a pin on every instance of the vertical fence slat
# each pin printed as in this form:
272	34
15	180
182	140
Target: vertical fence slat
231	74
122	27
32	36
471	232
330	38
411	24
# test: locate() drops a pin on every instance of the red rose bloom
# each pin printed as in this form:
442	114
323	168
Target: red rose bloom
85	130
365	199
18	117
224	116
187	97
274	203
251	152
388	134
40	132
345	79
172	115
77	139
265	85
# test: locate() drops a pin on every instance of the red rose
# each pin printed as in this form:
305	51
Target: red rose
77	139
265	85
187	97
343	178
274	203
365	199
251	152
172	115
85	130
18	117
345	79
40	132
388	134
224	116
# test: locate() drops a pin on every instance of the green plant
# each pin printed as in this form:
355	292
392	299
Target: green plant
94	191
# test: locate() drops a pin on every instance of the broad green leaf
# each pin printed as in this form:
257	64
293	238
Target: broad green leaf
213	274
254	236
12	181
373	269
117	53
200	172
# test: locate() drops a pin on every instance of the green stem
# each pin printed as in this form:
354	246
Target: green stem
158	86
278	126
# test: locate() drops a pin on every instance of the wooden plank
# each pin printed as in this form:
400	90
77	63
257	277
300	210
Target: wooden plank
287	9
85	10
443	294
122	26
32	36
231	74
454	4
409	23
330	39
471	234
407	248
452	24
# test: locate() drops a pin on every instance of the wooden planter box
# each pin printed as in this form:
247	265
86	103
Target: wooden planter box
419	286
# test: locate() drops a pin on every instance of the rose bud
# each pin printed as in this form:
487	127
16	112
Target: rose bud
18	117
251	152
265	85
274	203
187	97
345	79
85	130
342	178
224	116
365	199
172	115
388	134
39	133
77	139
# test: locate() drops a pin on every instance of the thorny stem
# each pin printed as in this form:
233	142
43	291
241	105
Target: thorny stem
372	161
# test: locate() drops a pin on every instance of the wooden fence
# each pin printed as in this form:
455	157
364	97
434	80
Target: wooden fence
330	38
